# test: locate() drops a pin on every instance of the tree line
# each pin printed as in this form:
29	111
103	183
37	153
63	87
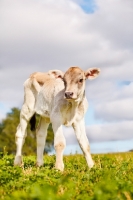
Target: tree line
7	135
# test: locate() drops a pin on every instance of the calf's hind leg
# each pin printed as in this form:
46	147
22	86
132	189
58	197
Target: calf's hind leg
21	133
41	135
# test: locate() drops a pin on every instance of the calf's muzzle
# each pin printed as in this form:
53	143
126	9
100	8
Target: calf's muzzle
68	95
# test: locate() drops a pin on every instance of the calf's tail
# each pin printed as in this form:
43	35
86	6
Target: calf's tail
33	123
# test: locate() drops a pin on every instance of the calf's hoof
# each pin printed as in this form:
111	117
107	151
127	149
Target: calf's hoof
59	167
18	161
91	164
39	164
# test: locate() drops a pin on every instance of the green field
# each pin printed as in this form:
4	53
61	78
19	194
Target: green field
111	178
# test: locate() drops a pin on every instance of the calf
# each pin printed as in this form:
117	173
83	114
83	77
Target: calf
60	99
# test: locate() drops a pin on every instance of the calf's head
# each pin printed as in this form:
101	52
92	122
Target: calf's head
74	80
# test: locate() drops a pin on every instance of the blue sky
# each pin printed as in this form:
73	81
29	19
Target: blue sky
88	6
43	35
102	147
90	118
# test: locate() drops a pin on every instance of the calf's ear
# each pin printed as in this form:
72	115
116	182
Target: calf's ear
56	73
92	73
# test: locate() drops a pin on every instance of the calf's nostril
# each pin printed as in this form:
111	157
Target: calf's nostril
65	94
68	94
71	94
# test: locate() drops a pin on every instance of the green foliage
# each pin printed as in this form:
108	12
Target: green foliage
110	179
7	135
8	129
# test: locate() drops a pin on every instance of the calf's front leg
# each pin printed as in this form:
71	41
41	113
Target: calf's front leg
59	144
79	128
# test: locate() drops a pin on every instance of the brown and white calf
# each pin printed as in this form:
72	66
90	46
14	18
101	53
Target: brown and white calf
60	99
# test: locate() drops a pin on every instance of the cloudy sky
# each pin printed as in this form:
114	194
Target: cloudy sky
39	35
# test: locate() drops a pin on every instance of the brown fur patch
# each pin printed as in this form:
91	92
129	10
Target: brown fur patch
72	70
40	77
73	73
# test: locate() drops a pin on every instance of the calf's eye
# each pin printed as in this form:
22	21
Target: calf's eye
80	80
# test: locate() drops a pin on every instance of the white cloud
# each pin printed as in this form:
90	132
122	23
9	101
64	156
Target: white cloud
113	21
111	131
42	35
115	110
116	103
104	132
126	91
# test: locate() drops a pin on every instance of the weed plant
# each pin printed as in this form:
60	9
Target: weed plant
110	179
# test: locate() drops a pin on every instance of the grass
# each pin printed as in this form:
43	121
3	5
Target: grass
111	178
